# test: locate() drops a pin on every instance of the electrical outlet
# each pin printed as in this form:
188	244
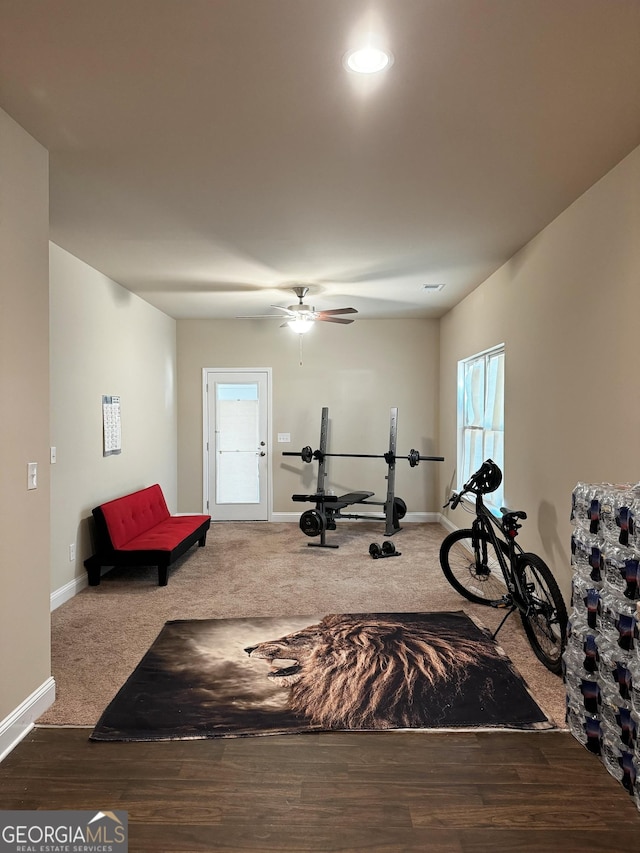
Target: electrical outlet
72	552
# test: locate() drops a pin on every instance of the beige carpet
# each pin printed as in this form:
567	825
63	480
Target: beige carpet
259	569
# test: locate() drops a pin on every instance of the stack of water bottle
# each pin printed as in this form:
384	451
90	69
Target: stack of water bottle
602	657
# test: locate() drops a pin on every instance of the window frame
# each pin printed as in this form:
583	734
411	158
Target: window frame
495	499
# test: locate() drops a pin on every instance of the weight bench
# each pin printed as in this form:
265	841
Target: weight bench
349	499
337	502
316	522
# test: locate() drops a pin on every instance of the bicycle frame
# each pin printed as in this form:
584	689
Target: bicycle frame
515	598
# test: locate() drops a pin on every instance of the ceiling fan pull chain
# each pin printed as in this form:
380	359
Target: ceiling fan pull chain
300	338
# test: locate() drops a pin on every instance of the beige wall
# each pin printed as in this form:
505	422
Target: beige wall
105	340
567	307
359	371
24	420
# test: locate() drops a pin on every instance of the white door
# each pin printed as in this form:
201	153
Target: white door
237	469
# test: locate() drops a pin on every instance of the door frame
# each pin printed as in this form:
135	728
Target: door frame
206	453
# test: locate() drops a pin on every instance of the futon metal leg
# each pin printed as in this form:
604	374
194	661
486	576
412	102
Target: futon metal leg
93	572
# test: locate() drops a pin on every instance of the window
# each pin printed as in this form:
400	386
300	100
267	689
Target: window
237	437
481	416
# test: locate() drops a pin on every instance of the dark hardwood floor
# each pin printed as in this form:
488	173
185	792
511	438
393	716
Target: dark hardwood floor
401	791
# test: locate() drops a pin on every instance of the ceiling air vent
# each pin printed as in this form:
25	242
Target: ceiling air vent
433	288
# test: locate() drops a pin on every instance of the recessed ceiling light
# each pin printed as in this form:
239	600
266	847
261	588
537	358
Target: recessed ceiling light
368	60
433	288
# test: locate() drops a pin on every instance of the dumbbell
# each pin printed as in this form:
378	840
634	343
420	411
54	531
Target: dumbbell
387	549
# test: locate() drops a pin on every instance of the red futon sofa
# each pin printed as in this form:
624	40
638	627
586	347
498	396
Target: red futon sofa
138	530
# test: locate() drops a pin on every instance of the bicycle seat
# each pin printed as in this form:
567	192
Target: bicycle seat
515	513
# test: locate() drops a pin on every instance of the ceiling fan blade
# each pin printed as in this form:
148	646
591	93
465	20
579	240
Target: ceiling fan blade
286	310
323	319
332	311
260	317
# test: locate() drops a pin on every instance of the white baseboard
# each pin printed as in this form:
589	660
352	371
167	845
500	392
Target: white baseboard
21	721
64	593
285	516
446	523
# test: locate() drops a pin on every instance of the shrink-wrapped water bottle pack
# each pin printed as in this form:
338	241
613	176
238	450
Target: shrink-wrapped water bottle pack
602	656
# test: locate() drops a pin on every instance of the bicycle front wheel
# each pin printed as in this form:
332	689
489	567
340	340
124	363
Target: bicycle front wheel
470	564
545	619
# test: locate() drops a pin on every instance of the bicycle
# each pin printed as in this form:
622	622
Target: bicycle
497	572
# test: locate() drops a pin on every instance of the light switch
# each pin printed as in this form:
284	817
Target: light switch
284	437
53	455
32	475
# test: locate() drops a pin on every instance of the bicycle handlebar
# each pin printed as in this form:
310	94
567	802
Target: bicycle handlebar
455	499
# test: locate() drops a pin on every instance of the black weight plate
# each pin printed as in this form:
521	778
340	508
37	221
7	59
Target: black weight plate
311	522
400	507
414	457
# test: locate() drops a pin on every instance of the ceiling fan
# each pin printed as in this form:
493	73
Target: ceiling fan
300	318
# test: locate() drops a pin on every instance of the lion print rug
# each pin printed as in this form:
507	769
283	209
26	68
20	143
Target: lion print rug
349	671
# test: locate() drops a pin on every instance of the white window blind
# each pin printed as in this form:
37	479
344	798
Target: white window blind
237	479
481	416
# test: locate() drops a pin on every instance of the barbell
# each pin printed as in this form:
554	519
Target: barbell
413	457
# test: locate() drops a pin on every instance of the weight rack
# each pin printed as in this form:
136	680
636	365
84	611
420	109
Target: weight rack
329	507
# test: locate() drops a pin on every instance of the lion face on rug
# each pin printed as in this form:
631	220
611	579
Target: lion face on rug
371	671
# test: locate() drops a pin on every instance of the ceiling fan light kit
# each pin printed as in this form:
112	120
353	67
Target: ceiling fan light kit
300	325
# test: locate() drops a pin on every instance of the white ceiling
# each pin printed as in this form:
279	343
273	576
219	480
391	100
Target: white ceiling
208	154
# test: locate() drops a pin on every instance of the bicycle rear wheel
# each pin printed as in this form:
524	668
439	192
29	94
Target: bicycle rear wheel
545	620
478	579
